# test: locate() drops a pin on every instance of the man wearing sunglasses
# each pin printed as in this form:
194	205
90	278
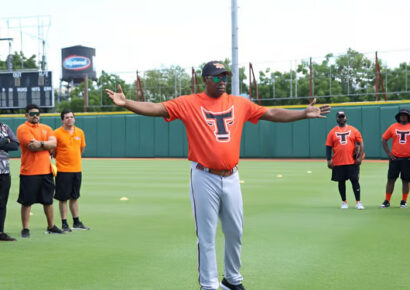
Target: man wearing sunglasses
214	121
343	141
8	142
36	181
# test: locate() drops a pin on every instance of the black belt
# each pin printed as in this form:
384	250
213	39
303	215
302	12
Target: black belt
223	173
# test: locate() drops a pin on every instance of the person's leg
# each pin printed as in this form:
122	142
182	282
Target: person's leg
356	189
205	202
62	204
405	178
389	188
49	212
231	215
342	189
405	189
25	215
74	208
4	196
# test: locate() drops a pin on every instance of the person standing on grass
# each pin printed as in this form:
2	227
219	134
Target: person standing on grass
36	181
70	146
345	163
8	142
214	122
399	156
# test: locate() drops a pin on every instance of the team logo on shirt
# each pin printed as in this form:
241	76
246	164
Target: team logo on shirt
402	136
220	121
342	136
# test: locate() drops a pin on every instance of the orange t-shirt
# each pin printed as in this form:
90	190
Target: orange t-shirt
34	163
343	140
214	126
401	139
68	151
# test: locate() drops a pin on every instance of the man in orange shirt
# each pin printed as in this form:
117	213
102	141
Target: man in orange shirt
214	122
70	146
345	163
399	156
36	181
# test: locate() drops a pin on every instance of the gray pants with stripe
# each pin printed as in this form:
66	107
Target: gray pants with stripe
214	196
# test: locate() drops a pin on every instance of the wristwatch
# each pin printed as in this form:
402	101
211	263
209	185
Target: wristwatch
42	144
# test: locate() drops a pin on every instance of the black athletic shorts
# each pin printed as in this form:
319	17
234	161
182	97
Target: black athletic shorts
68	185
36	189
5	182
399	166
345	172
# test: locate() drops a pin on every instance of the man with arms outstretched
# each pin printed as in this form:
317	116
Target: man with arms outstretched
214	122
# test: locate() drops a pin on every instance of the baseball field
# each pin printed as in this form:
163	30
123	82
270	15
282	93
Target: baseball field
295	235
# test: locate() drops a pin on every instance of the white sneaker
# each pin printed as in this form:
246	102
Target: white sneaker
359	205
344	205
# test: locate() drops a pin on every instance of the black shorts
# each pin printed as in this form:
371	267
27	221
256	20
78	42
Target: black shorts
68	185
5	182
36	189
345	172
399	166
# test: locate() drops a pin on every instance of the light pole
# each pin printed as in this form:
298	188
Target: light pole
9	57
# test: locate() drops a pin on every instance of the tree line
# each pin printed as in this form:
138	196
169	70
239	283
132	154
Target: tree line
350	77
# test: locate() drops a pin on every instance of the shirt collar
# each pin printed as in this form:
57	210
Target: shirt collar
31	124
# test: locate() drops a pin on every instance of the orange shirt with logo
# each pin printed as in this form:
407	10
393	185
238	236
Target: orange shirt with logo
401	139
68	151
343	140
214	126
38	162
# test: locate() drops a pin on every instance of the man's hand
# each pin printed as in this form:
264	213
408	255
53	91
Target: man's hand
316	112
358	161
330	164
391	156
118	98
34	145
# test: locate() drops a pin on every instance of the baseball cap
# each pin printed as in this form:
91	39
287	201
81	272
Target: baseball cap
402	112
340	113
214	68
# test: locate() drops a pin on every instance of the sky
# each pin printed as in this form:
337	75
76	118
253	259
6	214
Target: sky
143	35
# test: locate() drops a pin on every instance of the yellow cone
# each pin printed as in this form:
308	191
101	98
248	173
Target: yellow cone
123	198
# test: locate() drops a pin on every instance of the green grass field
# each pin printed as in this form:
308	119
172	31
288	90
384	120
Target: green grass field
295	235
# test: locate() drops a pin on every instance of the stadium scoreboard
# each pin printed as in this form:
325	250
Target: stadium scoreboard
20	88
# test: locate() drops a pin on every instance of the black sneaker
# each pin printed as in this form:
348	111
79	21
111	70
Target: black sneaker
54	230
403	204
66	228
385	204
25	233
80	226
6	238
227	286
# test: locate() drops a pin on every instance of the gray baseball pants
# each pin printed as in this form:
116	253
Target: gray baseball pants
214	197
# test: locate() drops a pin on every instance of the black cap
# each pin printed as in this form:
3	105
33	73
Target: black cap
340	113
214	68
402	112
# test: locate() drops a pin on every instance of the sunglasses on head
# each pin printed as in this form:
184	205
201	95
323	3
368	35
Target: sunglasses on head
218	79
32	114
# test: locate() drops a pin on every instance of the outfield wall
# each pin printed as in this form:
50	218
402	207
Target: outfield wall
130	135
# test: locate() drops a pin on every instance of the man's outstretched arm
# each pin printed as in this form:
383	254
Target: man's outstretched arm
284	115
141	108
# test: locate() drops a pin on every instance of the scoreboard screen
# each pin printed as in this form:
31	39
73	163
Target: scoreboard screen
20	88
